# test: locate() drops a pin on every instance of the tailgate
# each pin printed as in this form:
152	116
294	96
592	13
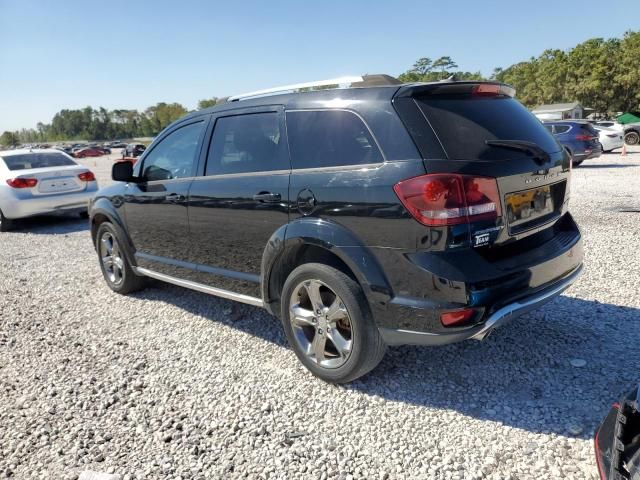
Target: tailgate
52	181
478	129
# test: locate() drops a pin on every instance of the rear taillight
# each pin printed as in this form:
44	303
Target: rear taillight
585	137
492	90
456	318
87	177
449	199
22	182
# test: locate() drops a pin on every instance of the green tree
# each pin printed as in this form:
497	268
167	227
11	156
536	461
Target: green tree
424	70
9	139
445	64
206	103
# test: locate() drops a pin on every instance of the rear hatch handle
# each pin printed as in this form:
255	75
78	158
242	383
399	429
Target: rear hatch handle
539	155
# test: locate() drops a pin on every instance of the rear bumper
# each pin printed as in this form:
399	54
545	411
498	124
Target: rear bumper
27	207
494	320
523	277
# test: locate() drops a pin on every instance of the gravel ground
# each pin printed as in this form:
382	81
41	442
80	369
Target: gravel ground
170	383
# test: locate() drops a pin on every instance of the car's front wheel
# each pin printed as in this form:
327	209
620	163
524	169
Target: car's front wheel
115	267
328	323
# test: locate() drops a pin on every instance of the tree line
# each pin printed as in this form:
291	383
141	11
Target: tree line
101	124
602	74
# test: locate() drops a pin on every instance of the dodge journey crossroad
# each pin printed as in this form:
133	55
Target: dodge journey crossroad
364	214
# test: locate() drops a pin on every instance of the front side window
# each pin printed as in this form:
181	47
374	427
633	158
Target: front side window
175	155
247	143
329	138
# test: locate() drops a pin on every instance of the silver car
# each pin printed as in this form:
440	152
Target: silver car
35	182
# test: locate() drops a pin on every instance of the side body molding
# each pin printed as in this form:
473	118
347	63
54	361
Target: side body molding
290	239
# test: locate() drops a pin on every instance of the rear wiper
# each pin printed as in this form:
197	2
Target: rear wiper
538	154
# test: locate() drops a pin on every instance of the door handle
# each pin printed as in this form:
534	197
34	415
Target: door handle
267	197
175	198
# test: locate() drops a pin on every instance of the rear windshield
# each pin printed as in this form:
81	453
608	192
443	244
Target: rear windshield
588	129
463	124
37	160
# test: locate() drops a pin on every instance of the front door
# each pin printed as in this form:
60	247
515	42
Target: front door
241	199
156	205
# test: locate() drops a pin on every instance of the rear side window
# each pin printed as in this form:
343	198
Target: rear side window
37	160
562	128
247	143
464	123
329	138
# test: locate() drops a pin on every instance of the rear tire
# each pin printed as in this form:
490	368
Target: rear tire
115	267
5	223
328	323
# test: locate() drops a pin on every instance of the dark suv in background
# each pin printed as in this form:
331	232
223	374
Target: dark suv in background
578	137
133	150
362	217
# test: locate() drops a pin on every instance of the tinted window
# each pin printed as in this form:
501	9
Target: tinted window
464	123
37	160
562	128
174	156
247	143
588	129
329	138
549	128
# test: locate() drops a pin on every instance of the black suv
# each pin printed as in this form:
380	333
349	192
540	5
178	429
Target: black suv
361	217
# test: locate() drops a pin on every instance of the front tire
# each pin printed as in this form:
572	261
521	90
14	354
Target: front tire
115	267
328	323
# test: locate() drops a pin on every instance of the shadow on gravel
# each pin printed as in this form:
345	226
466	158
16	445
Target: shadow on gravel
51	225
521	376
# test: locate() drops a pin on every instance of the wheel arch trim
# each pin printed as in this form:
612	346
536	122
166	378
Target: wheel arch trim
336	240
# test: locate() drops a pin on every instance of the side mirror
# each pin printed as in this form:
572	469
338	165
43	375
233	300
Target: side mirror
122	171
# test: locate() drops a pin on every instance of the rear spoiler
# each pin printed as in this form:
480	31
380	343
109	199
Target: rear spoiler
449	87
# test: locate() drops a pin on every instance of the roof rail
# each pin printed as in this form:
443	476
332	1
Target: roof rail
341	82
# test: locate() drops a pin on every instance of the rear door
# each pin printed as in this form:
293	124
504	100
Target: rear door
488	133
240	198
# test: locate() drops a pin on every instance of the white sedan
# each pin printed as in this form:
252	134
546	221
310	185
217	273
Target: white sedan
610	139
35	182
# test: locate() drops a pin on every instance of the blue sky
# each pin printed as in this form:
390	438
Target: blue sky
132	54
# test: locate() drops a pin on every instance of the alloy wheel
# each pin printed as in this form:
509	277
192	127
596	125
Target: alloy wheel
632	138
111	257
321	323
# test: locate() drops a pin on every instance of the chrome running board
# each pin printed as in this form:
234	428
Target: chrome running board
218	292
